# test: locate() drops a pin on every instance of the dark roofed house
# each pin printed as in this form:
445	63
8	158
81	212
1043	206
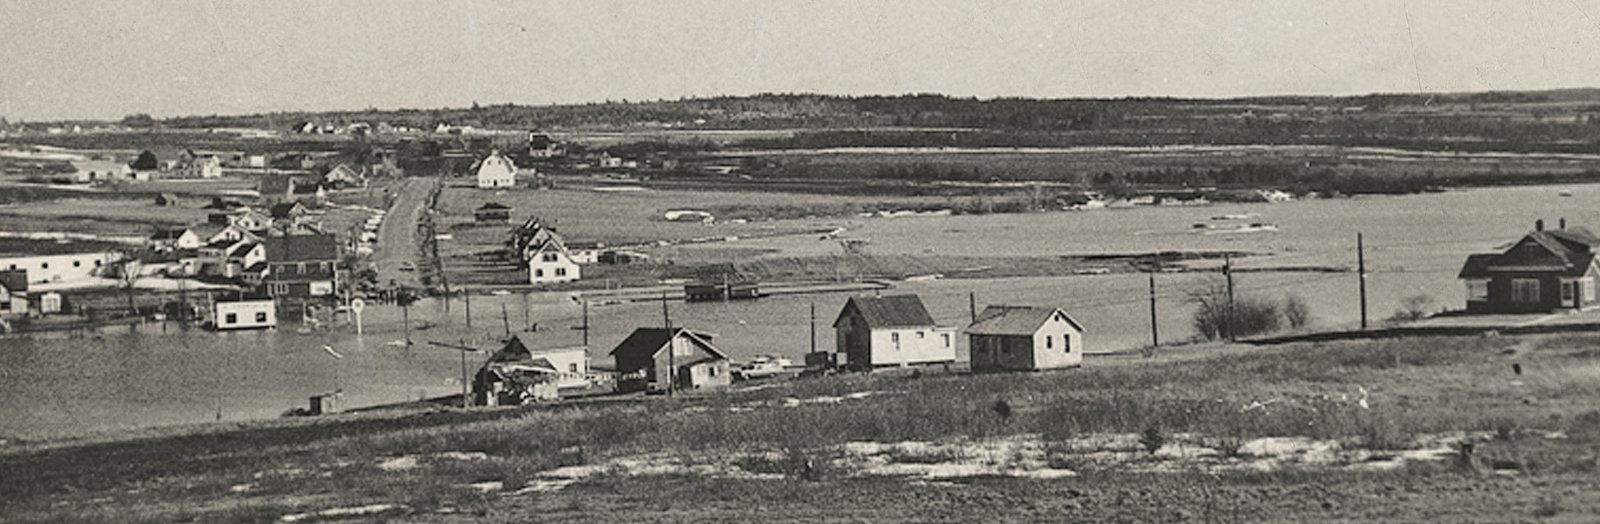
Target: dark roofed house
492	212
13	292
649	357
524	370
1544	271
302	266
287	211
891	331
1024	338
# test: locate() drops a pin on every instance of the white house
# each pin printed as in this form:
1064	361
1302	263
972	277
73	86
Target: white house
496	171
203	167
13	292
571	363
549	262
44	269
170	238
891	331
245	314
1024	338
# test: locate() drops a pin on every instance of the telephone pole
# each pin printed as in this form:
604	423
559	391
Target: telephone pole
972	305
672	350
525	320
466	297
586	322
1227	271
1155	335
813	326
505	319
1361	267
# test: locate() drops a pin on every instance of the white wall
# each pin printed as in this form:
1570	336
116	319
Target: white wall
895	346
1051	354
248	314
565	360
58	268
543	272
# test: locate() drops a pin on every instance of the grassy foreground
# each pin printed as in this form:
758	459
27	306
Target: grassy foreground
1533	452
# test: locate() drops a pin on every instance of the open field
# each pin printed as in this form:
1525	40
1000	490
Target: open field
1367	430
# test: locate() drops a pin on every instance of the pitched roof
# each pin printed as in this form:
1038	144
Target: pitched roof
302	248
1569	252
15	280
275	185
889	311
146	161
342	171
283	210
646	342
1016	320
493	205
169	233
525	345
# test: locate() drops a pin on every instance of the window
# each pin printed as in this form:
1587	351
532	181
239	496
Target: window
921	335
97	263
561	271
44	265
946	339
895	338
1049	342
713	371
1567	292
1066	343
538	273
1477	290
261	316
1588	289
572	368
549	257
231	318
77	263
1525	290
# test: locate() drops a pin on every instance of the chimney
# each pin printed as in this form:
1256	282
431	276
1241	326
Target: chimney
1563	222
1538	225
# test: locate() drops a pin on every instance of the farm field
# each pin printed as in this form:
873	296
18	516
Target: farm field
1384	430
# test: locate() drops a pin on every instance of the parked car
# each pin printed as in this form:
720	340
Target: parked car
761	367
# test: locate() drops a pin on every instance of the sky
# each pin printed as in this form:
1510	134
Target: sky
102	59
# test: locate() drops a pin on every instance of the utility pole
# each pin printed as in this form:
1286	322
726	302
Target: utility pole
813	326
463	348
972	305
1155	335
405	315
1361	267
505	319
672	349
468	298
1227	271
586	322
525	320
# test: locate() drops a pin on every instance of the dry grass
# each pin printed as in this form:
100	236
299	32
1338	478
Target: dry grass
1416	386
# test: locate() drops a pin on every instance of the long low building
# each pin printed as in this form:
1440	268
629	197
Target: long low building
45	269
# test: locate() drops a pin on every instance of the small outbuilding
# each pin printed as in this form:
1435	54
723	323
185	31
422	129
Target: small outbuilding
891	331
256	313
1024	338
492	213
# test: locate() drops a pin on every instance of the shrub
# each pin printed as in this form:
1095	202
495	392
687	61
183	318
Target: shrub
1218	318
1296	312
1152	439
1413	308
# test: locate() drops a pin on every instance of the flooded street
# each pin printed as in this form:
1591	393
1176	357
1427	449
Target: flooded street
121	377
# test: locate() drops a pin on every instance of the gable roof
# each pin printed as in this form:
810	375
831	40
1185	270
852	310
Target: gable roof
1568	252
646	342
525	345
14	280
146	162
492	206
302	248
1016	320
169	233
889	311
285	210
342	171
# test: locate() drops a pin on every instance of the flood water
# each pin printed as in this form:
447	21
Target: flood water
121	378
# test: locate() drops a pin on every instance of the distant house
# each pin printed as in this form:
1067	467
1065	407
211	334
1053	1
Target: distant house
310	192
207	166
275	188
49	303
496	171
245	218
43	269
658	359
13	292
1544	271
550	263
891	331
287	211
606	161
1024	338
492	212
542	146
585	252
342	176
302	266
257	313
145	167
167	199
173	238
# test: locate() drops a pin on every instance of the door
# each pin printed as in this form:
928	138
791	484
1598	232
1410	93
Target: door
1569	294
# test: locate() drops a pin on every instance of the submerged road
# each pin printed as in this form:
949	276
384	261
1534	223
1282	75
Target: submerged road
397	238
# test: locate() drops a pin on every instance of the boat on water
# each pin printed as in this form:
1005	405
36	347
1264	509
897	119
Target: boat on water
1565	193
